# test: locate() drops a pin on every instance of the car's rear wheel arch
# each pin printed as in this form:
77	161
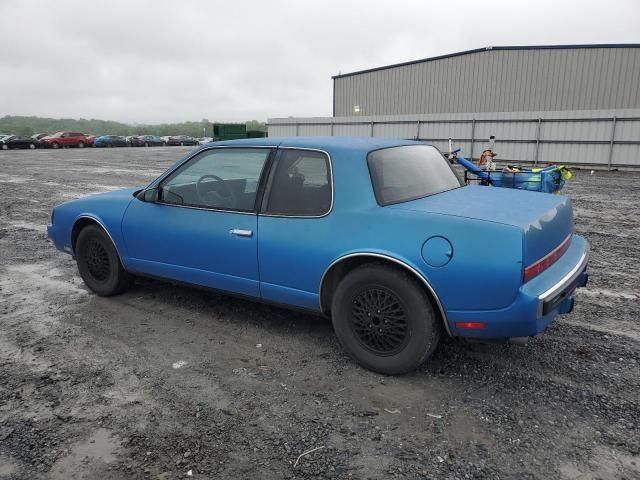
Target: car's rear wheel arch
344	265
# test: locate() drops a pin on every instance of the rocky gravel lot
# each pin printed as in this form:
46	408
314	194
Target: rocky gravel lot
167	382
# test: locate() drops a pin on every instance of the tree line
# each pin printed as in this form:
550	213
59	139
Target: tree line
19	125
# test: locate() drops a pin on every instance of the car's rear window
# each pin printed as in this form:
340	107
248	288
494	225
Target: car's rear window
400	174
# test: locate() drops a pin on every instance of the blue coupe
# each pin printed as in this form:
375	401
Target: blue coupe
378	234
110	141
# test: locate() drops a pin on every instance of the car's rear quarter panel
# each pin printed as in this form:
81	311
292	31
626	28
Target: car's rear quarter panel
485	271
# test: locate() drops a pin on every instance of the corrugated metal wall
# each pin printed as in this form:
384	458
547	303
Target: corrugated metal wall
497	80
590	137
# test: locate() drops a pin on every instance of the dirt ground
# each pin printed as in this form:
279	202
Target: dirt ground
168	382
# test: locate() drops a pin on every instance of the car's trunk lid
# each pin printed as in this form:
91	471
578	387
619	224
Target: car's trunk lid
545	219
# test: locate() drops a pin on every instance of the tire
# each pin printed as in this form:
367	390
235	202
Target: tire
99	264
406	336
182	144
55	145
146	144
32	146
5	146
80	144
164	144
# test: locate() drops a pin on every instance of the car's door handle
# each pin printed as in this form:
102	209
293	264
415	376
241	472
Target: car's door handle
240	232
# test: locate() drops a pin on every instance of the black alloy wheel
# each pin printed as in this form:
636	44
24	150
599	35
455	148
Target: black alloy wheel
384	318
99	264
97	260
379	321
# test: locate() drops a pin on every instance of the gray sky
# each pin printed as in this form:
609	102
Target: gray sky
156	61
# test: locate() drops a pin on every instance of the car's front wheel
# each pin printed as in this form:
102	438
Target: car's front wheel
5	146
384	319
99	264
32	146
80	144
55	145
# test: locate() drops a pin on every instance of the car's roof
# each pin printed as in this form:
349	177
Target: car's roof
325	143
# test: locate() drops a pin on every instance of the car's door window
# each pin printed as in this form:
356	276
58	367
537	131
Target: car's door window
299	184
224	178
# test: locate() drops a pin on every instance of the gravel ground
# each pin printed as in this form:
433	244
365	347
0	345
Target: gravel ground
164	381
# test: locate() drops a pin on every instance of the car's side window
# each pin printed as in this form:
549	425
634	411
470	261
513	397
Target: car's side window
224	178
299	184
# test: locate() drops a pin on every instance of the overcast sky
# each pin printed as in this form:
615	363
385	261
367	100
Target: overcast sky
157	61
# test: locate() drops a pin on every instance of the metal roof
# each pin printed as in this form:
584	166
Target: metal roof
485	49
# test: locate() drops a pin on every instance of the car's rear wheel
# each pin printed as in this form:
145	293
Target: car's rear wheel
99	264
80	144
384	319
5	146
32	146
146	144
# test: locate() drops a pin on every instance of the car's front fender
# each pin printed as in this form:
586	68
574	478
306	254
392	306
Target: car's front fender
106	209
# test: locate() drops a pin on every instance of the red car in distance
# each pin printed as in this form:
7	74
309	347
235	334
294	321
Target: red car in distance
67	139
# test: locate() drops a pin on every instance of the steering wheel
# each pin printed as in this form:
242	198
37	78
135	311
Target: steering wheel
226	198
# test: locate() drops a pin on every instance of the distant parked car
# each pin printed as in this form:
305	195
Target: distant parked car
67	139
39	136
182	140
16	141
110	141
147	141
205	140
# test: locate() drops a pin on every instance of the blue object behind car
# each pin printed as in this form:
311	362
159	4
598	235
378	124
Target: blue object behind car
110	141
379	234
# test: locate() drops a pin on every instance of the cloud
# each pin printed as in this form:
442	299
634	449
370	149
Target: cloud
160	61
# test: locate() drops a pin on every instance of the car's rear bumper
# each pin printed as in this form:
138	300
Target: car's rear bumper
537	303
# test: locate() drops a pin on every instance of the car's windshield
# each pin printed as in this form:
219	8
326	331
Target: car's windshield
400	174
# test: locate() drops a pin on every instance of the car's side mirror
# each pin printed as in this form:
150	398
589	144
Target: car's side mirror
150	195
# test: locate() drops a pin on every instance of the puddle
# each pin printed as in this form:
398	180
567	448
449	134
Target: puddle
14	179
102	188
127	171
99	449
38	276
179	364
7	467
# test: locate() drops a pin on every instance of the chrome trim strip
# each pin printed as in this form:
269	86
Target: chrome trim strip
239	212
99	222
564	281
399	262
332	187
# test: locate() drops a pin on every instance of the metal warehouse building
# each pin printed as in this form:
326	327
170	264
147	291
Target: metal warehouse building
575	104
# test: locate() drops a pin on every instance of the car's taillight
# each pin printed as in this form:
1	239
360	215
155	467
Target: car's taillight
546	261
